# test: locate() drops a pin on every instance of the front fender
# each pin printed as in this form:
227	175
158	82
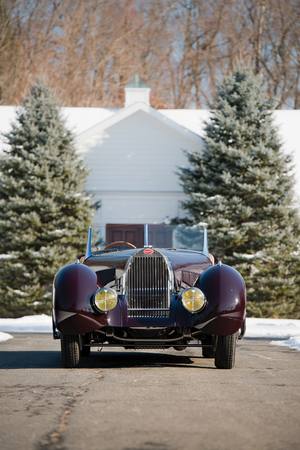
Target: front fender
72	288
225	292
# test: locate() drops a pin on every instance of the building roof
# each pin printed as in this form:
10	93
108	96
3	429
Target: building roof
80	120
132	109
137	82
77	119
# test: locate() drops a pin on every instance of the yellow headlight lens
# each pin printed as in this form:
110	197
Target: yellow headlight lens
193	299
106	299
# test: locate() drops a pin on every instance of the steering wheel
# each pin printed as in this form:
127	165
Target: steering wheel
119	245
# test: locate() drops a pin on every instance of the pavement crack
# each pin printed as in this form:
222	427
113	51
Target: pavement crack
54	440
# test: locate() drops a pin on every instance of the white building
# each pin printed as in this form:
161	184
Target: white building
134	153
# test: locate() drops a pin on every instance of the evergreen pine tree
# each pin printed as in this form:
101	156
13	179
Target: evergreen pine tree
242	186
44	210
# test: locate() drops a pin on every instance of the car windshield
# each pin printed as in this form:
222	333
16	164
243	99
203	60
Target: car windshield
159	236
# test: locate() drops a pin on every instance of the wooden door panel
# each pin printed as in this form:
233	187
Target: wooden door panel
159	236
132	233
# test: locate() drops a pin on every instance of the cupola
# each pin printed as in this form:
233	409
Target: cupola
137	91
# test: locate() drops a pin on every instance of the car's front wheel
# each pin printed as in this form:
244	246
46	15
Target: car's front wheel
225	352
70	350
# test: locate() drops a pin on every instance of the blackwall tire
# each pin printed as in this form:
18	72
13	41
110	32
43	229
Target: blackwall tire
225	352
208	352
70	350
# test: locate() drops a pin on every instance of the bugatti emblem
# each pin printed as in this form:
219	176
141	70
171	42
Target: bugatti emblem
148	251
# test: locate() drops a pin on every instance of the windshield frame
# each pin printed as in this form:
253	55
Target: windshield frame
177	234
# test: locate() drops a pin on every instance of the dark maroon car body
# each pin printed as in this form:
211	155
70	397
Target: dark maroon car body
152	324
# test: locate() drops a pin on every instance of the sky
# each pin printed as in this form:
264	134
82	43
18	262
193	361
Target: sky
281	332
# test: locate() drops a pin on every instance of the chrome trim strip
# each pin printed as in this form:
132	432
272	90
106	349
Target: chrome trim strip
146	235
205	243
88	251
147	309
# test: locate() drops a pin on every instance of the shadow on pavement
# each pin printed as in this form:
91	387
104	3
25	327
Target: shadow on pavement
52	359
30	360
109	360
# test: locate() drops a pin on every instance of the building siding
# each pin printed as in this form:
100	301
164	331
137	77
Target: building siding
137	154
133	170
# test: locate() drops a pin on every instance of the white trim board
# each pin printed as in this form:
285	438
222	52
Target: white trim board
132	109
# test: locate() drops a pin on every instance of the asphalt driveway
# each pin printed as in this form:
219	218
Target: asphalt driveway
148	400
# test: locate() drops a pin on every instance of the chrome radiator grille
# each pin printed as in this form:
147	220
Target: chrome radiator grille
148	285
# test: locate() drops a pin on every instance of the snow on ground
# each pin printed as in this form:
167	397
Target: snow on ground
288	331
27	324
5	336
292	342
274	329
270	328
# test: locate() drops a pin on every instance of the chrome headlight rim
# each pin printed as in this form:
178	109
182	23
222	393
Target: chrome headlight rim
193	311
95	304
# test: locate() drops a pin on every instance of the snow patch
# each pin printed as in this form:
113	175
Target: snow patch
78	194
248	256
18	292
6	256
27	324
40	252
272	328
214	197
58	231
292	342
5	336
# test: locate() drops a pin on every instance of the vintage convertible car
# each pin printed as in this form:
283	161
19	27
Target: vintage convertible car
171	292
